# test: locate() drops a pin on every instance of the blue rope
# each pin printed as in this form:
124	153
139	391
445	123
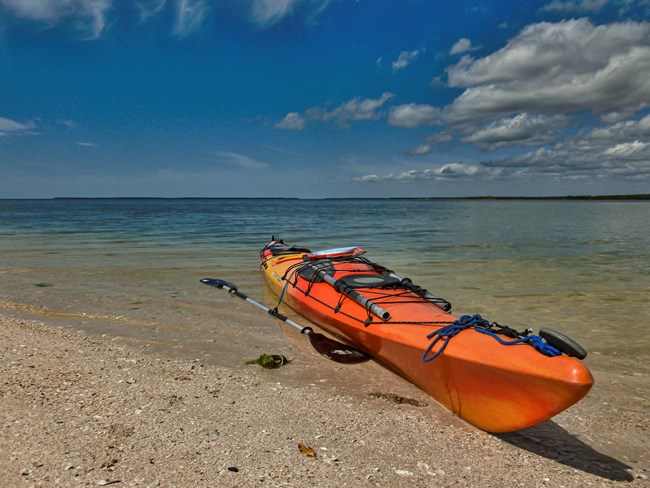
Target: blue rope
481	325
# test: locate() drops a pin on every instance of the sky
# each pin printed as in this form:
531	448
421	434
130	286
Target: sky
324	98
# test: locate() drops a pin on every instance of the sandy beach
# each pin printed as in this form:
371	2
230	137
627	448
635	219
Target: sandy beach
93	411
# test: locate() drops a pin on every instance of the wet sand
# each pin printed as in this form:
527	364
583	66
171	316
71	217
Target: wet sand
77	410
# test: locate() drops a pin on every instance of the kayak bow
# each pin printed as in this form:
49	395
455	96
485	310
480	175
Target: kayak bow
491	381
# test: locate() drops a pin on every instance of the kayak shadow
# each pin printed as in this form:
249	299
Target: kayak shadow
551	441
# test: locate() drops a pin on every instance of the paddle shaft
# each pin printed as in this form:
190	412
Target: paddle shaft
331	349
232	289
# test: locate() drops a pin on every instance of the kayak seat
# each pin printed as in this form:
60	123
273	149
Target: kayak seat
371	281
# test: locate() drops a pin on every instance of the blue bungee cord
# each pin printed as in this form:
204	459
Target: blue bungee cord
481	325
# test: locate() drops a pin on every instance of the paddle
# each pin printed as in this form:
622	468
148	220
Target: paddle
331	349
341	287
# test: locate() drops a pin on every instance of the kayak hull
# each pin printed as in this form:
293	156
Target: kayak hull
495	387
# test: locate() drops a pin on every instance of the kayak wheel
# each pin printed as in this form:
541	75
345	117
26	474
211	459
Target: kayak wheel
565	344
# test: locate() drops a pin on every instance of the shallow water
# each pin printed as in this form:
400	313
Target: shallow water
131	268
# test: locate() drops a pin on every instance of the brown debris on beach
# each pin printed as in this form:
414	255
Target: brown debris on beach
82	411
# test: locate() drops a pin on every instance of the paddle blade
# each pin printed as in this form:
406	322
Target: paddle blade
218	283
335	350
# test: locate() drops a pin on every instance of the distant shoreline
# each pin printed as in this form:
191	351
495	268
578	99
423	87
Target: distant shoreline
640	196
632	197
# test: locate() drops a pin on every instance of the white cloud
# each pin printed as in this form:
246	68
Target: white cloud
621	150
292	121
368	178
521	130
86	144
569	6
629	150
150	8
9	127
530	92
354	110
239	160
449	171
68	123
413	115
90	14
189	16
621	132
526	93
599	153
561	68
433	141
404	59
421	150
462	46
268	12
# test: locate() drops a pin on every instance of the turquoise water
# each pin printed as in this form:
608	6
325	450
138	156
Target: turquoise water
130	268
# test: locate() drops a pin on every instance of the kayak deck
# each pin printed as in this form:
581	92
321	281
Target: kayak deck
496	387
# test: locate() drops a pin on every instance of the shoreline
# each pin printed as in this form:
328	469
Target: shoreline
86	411
612	197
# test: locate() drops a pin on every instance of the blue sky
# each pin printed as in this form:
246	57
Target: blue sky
324	98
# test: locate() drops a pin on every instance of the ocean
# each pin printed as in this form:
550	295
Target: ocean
130	269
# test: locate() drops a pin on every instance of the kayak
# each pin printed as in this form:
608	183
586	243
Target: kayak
495	378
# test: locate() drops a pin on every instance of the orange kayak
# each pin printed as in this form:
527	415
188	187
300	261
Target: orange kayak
470	369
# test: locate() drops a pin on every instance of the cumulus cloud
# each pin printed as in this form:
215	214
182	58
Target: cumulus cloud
521	130
572	161
421	150
413	115
9	127
449	171
629	150
433	141
620	132
620	150
239	160
404	59
89	14
292	121
561	68
462	46
548	75
354	110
